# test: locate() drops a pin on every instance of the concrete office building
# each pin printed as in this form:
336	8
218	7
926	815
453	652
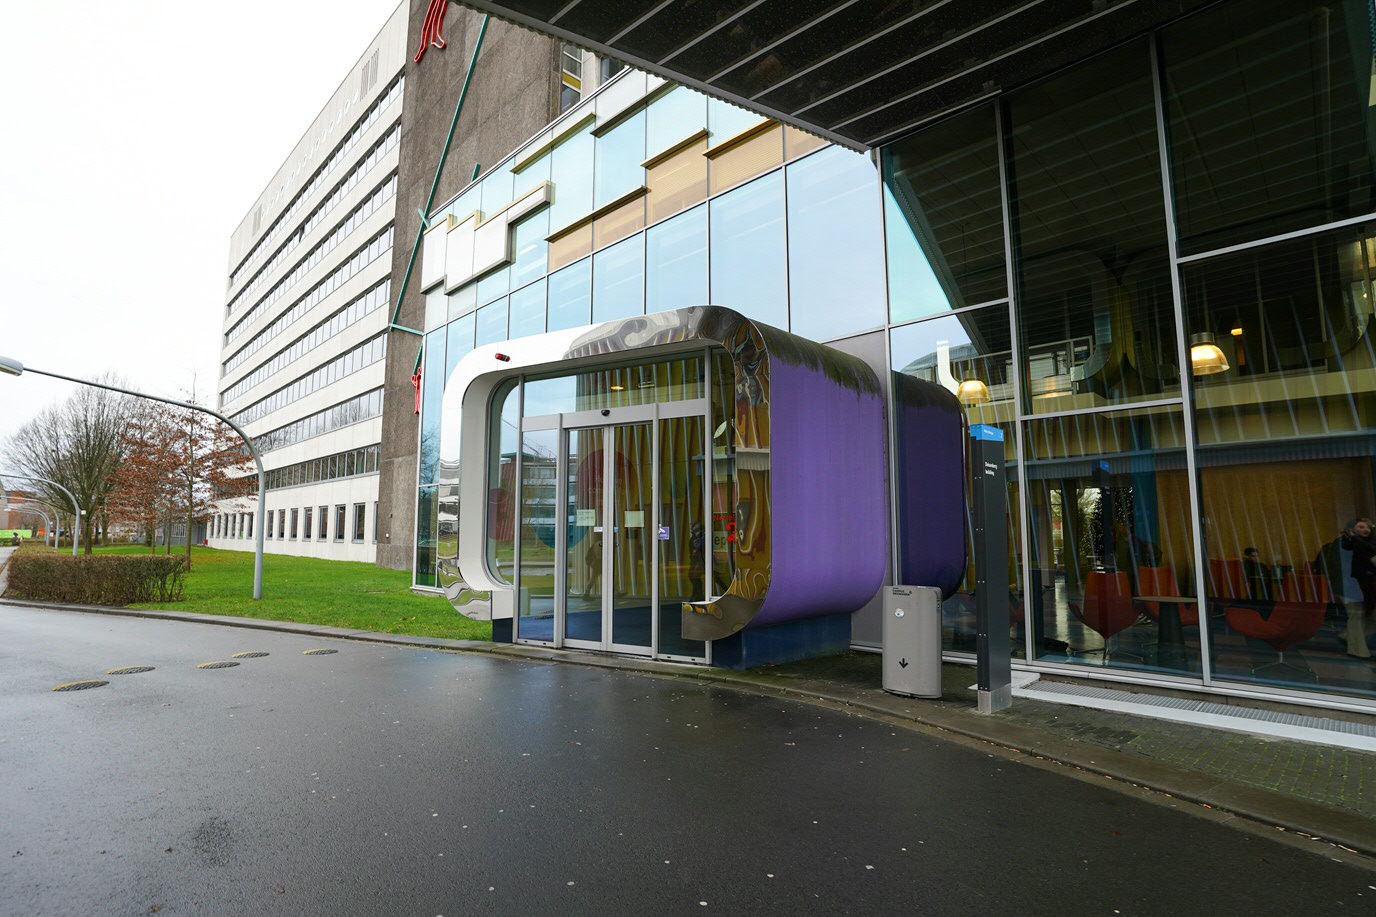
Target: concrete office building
306	312
522	82
1139	237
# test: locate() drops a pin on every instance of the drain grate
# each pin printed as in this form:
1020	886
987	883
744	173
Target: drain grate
217	665
80	685
318	652
248	655
130	670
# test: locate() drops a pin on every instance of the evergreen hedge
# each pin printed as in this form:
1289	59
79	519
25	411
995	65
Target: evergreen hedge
97	579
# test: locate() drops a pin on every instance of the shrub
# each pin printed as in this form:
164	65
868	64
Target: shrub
96	579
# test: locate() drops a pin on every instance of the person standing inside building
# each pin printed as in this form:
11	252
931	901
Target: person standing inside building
1361	624
1257	574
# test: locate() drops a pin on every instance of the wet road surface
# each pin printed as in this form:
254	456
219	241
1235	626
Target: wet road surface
383	780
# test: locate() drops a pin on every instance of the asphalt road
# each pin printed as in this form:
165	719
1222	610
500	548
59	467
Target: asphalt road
381	780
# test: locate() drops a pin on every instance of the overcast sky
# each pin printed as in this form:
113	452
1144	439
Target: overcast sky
136	135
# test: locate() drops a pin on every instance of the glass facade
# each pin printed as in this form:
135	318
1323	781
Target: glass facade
1152	270
1186	382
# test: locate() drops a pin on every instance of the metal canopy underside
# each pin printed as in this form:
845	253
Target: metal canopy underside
858	72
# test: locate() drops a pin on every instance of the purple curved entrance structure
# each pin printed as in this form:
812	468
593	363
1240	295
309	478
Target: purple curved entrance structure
808	475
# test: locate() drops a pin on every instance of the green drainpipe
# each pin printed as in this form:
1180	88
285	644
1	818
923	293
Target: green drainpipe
434	186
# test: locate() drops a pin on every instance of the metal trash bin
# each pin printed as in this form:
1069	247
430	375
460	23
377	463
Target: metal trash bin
912	641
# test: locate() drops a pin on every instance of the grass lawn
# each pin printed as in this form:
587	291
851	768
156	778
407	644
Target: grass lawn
312	591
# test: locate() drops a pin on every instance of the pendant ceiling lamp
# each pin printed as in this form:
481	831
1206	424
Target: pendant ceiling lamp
1205	356
972	392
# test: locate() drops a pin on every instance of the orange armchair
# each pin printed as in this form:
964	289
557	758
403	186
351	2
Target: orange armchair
1295	617
1226	580
1108	607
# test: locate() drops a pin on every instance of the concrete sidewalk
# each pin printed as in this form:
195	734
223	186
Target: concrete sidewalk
4	571
1314	790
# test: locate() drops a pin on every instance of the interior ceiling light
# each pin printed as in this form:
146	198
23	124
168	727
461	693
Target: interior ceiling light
1205	357
618	388
972	392
1236	332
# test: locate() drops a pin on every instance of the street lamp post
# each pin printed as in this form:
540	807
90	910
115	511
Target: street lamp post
76	507
26	508
15	368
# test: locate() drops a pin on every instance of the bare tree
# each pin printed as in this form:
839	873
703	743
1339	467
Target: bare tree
178	464
79	444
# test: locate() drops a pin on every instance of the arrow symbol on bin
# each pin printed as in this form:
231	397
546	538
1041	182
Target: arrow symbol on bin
903	662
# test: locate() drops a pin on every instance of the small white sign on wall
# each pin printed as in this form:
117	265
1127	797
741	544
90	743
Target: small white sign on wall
585	518
635	519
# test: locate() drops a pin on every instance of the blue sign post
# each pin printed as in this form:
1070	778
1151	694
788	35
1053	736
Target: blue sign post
989	481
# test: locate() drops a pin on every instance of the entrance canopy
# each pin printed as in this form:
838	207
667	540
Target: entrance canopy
802	425
858	72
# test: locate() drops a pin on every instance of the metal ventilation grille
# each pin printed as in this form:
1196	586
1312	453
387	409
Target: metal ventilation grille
130	670
217	665
318	652
248	655
1211	709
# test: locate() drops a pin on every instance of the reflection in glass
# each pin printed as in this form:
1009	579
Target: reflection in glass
584	567
944	218
503	438
970	354
572	175
1111	540
835	246
673	117
676	262
620	152
1272	129
749	257
682	555
532	175
539	518
458	344
570	296
491	323
426	534
463	301
725	120
632	538
616	387
432	392
1286	457
618	280
530	251
527	311
494	285
1095	308
726	509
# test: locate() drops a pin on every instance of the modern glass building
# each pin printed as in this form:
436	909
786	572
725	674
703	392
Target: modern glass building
1151	266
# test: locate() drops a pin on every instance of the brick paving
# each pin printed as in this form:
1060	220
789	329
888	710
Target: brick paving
1337	777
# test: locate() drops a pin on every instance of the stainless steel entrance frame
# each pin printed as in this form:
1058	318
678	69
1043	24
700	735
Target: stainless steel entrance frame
804	458
608	420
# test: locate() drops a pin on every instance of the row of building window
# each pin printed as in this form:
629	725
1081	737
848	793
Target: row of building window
317	216
365	354
374	248
380	196
303	525
363	407
392	94
356	309
329	468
